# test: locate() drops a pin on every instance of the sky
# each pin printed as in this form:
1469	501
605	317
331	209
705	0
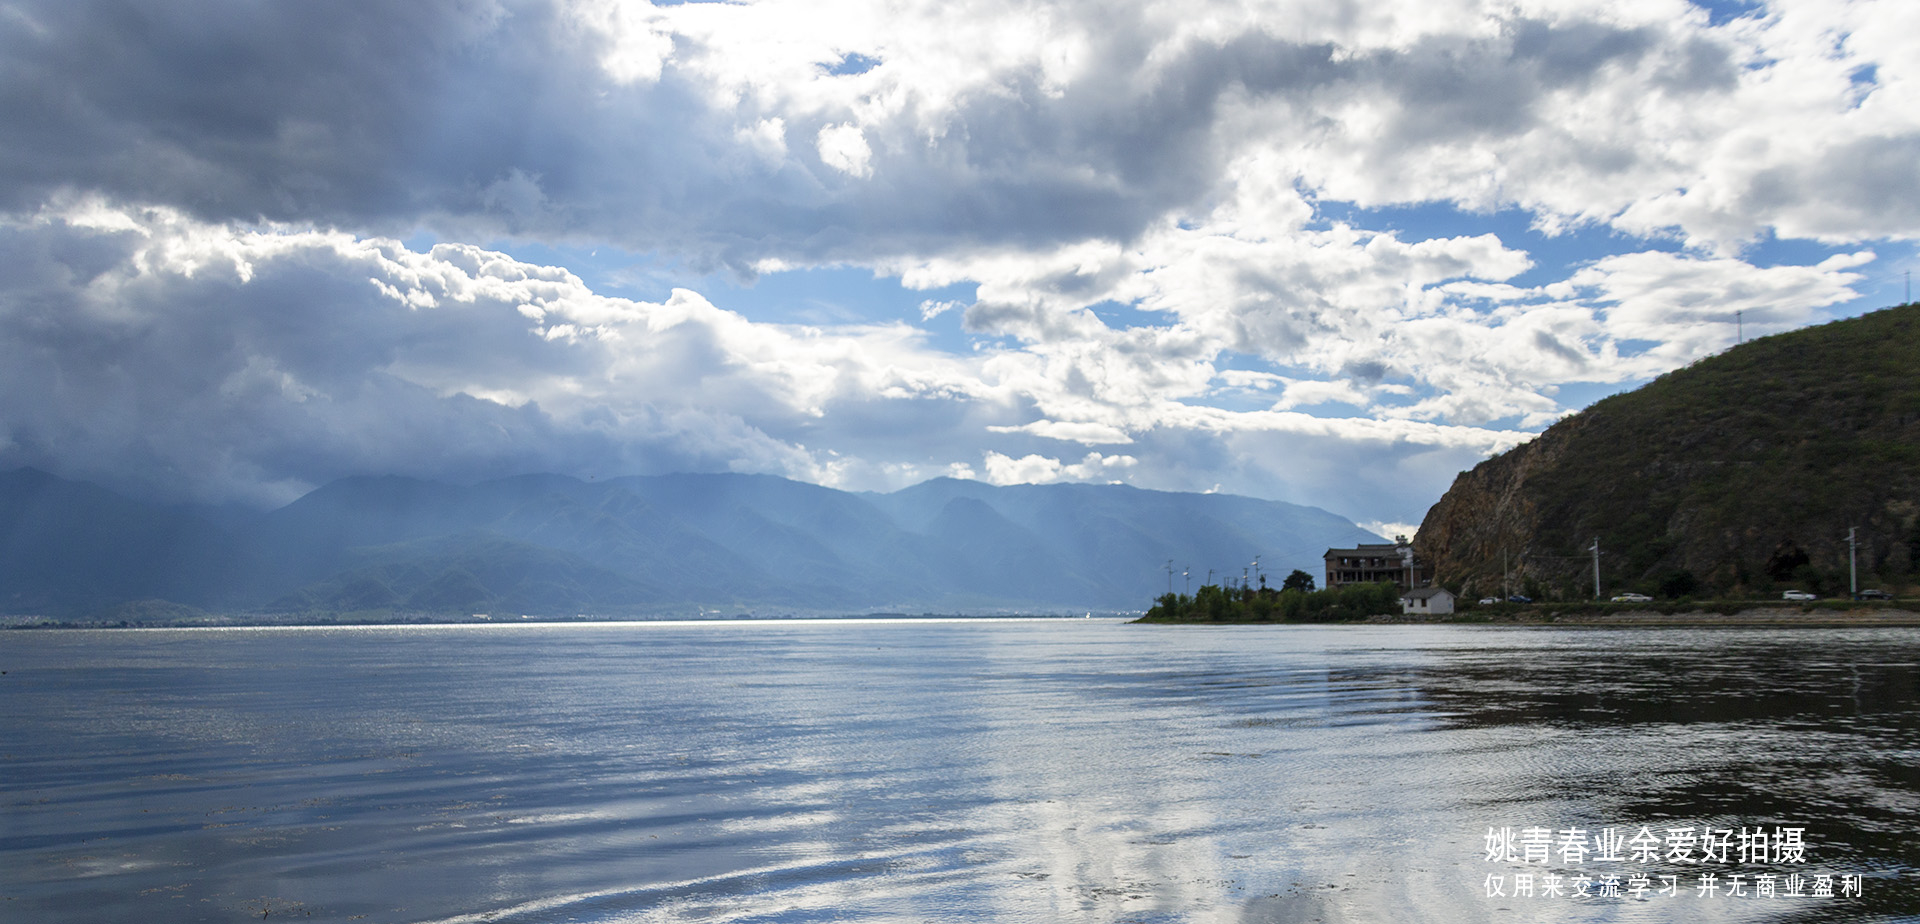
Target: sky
1317	251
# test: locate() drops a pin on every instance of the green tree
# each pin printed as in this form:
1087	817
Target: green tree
1298	580
1677	583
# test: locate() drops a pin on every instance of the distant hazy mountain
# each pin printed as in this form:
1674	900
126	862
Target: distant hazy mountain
553	545
67	546
1742	472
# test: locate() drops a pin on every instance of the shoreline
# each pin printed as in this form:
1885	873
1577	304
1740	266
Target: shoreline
1772	617
1764	616
1759	617
36	623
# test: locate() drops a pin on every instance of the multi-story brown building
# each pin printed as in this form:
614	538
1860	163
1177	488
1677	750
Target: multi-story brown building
1367	563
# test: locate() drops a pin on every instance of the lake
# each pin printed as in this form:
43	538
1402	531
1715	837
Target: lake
959	770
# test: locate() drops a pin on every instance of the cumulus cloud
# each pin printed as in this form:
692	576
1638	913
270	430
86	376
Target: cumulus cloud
1390	530
1039	469
991	122
845	149
1090	433
1308	393
1686	307
258	362
200	206
216	362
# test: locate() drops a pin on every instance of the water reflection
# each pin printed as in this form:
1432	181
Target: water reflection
1724	730
1071	771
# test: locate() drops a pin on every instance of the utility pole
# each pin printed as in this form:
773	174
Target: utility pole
1595	548
1209	578
1186	574
1853	570
1169	576
1739	328
1506	580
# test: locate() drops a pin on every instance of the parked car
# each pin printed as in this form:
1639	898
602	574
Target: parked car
1798	595
1633	598
1517	598
1875	595
1488	601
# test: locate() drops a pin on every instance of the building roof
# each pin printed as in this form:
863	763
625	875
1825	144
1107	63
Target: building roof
1422	593
1377	548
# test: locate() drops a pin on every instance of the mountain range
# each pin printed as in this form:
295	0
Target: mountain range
552	545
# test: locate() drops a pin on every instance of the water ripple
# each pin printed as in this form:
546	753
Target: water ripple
912	771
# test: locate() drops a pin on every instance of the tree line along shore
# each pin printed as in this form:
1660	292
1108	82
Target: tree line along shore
1380	603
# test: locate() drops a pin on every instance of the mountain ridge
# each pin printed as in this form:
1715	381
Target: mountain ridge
636	545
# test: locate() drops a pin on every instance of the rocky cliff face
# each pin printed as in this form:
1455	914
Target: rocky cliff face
1484	526
1743	472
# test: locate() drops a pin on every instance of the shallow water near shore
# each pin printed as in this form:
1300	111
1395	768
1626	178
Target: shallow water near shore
972	770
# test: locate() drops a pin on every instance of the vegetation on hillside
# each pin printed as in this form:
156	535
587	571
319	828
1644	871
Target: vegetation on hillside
1738	475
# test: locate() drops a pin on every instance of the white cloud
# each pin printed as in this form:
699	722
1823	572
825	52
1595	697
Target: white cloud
766	138
1092	434
844	148
1147	199
1685	307
931	308
216	362
1038	469
1002	123
1309	393
638	41
313	355
1390	529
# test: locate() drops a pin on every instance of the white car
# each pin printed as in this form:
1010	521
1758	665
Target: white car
1489	600
1633	598
1798	595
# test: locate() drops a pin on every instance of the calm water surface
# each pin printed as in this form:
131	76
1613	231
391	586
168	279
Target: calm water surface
1019	771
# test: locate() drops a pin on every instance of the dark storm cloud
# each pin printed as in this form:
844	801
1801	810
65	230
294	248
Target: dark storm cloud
481	118
1450	88
234	109
367	115
1027	166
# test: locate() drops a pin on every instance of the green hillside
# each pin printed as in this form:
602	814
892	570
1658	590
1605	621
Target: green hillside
1740	474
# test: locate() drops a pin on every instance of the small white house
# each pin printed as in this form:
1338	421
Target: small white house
1426	601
